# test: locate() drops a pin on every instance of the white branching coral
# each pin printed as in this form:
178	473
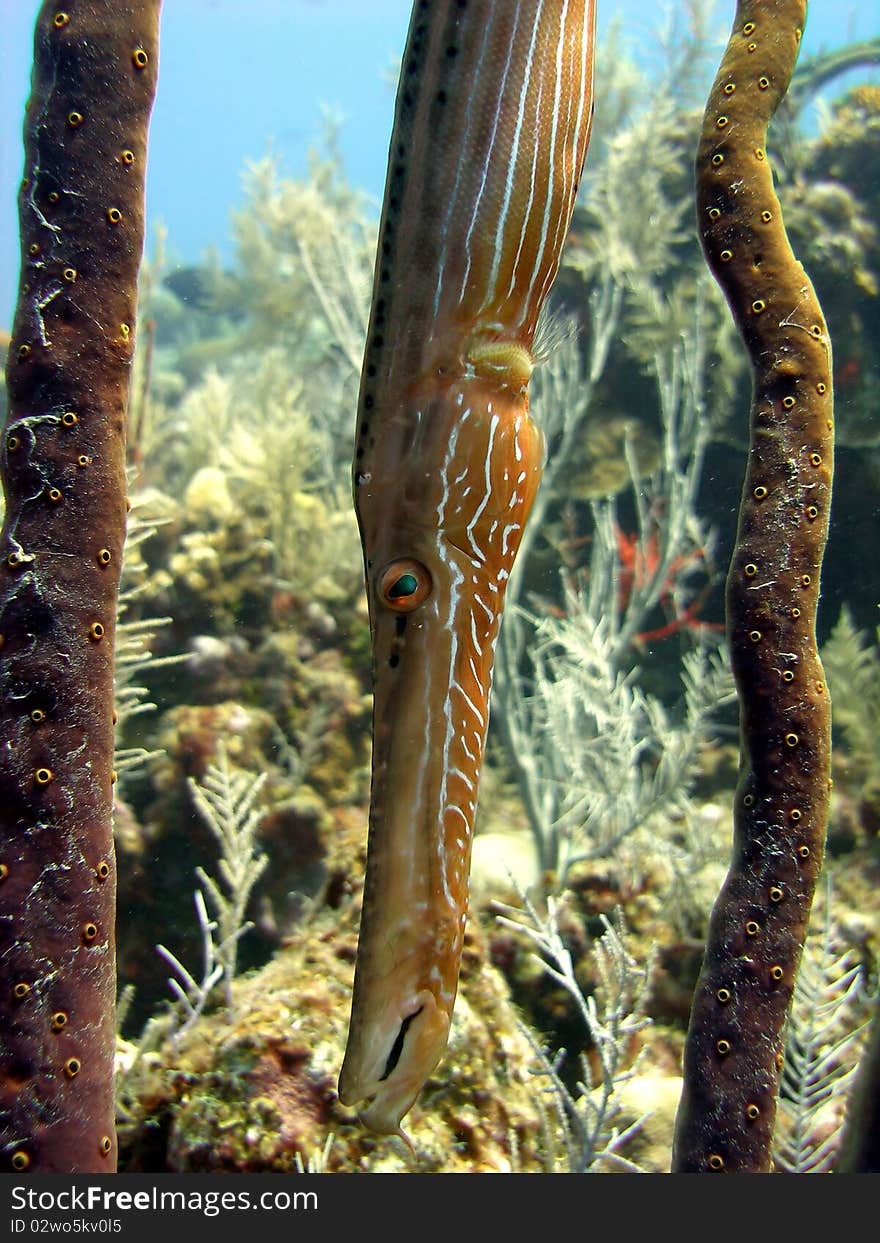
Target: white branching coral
619	757
596	756
227	801
134	642
190	994
307	249
581	1131
852	666
256	453
821	1053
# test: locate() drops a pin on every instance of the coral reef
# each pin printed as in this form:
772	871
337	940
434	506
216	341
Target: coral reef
258	568
611	759
250	1093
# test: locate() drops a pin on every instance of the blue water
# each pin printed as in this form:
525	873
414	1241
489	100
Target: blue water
239	75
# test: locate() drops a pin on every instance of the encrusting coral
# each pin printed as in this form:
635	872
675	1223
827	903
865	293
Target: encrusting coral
248	1095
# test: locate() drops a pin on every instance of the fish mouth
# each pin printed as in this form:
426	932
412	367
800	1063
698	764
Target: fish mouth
397	1047
395	1062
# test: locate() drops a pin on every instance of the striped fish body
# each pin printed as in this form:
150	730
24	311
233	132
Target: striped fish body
491	130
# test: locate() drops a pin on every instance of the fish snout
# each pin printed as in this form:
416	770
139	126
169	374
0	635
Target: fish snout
393	1063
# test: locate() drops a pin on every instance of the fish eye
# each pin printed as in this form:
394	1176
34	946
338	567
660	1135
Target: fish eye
403	585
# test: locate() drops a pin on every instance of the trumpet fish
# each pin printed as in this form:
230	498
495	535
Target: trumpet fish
491	129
